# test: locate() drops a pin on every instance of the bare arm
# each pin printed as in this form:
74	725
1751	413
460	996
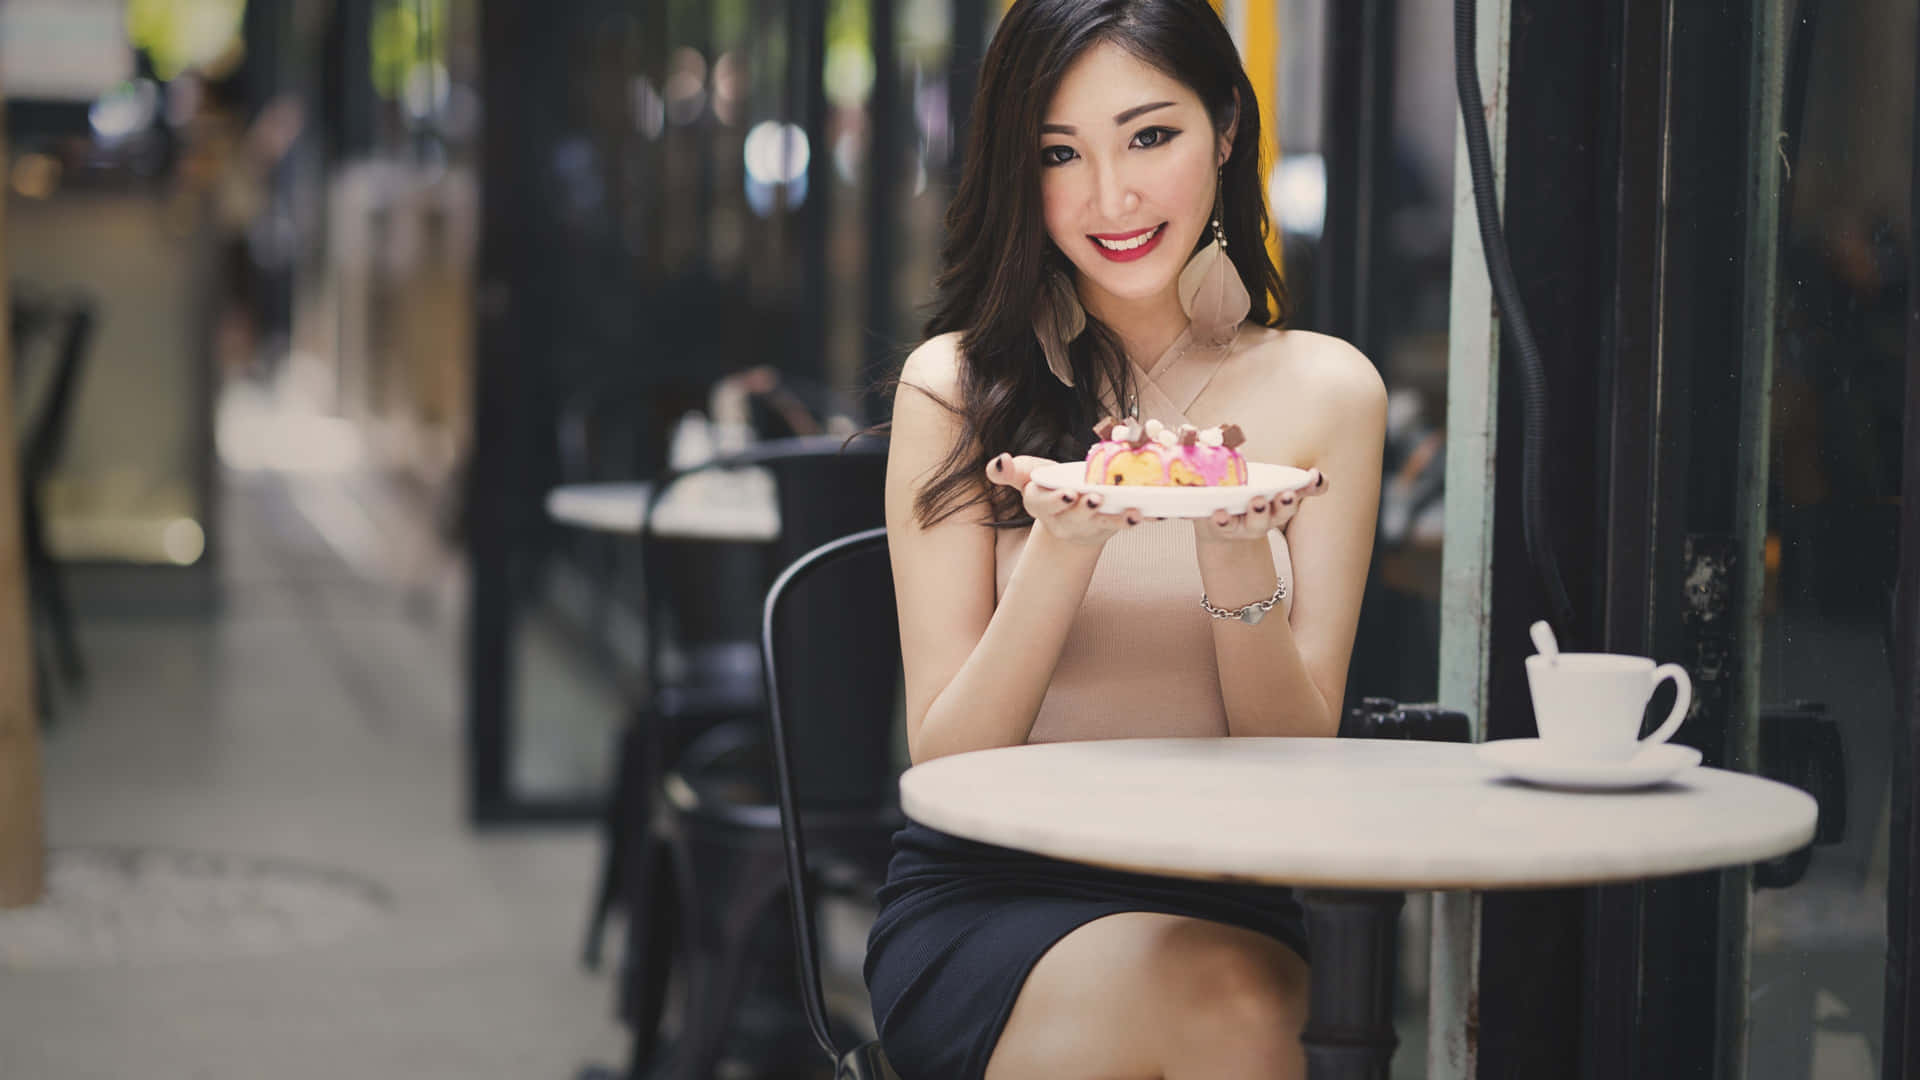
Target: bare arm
976	671
1288	676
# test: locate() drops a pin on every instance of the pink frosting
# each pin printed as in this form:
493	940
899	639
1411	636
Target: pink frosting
1218	466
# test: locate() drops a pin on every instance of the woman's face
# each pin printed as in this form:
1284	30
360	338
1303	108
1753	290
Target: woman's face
1128	161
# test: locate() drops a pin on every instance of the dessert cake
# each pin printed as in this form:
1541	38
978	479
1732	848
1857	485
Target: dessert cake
1154	455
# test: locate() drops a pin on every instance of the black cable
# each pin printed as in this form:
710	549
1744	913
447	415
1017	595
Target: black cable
1513	317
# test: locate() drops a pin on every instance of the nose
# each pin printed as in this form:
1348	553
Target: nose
1114	196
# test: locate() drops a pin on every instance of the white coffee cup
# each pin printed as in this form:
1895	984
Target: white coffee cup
1590	705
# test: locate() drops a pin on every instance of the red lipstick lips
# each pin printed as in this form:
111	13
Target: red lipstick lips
1128	254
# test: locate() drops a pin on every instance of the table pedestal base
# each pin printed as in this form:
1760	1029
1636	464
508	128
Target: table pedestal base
1349	1033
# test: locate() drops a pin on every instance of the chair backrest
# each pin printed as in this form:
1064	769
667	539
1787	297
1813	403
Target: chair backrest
1385	718
49	434
45	430
701	592
831	645
832	637
827	488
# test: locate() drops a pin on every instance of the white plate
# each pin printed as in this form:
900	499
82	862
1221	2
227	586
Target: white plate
1530	760
1176	502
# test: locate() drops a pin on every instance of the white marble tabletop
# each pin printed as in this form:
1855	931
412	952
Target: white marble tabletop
614	508
720	504
1344	813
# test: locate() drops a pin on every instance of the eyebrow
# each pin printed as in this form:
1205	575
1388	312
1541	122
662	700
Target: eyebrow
1130	114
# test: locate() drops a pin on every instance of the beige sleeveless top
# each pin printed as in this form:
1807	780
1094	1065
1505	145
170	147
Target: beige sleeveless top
1138	660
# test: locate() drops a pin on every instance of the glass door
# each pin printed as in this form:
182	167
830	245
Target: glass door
1821	635
1785	249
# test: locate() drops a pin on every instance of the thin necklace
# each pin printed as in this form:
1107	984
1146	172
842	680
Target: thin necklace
1133	403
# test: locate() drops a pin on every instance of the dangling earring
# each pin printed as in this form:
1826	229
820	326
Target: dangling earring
1058	318
1211	292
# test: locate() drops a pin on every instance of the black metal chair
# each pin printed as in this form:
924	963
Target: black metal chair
831	645
41	441
810	670
703	600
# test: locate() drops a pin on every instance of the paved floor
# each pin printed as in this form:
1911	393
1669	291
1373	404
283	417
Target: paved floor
314	721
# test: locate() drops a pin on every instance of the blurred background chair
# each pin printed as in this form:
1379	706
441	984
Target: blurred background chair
50	340
634	445
707	701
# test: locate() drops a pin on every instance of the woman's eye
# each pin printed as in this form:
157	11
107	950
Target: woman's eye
1056	155
1153	136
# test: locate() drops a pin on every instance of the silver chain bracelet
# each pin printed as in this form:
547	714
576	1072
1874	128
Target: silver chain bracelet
1252	613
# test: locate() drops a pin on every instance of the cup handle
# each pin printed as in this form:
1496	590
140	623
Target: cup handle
1681	702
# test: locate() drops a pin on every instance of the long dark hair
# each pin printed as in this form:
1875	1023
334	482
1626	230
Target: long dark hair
997	249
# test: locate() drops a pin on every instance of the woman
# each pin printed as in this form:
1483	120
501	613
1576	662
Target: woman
1111	136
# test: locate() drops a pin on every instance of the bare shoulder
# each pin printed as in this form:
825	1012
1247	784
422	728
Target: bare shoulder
1327	368
927	407
933	367
1312	394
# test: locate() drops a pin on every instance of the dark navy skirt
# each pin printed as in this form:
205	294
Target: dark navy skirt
962	923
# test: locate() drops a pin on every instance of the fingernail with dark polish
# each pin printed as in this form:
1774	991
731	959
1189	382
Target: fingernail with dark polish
1066	496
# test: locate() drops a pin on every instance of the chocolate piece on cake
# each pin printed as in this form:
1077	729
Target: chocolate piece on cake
1150	453
1232	437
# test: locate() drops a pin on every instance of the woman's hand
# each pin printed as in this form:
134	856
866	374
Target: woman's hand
1263	515
1067	515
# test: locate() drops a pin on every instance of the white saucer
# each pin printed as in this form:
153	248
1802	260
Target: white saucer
1176	502
1530	760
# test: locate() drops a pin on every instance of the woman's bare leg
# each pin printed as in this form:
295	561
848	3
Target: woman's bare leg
1146	996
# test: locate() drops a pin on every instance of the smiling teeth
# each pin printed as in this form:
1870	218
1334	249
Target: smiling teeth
1129	245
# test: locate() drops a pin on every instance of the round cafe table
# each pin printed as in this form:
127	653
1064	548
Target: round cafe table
1355	823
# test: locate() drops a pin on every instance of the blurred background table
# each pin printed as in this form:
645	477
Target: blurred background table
732	504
